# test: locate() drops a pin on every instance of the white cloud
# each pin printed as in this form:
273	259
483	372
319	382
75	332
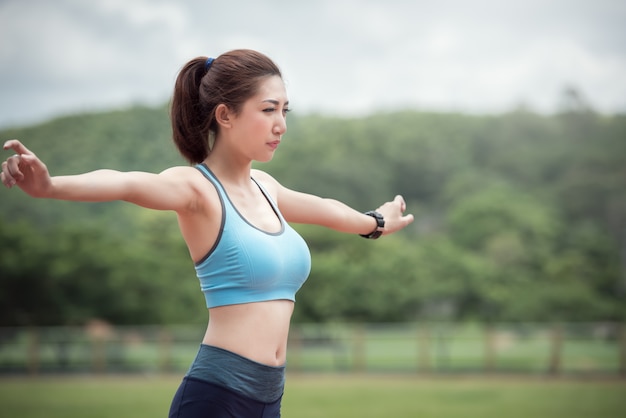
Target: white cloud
144	12
343	56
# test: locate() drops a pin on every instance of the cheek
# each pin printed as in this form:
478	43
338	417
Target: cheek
255	132
261	124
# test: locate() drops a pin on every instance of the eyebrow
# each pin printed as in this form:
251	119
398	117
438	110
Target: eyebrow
275	102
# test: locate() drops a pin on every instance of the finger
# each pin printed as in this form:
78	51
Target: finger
400	200
17	146
13	167
6	177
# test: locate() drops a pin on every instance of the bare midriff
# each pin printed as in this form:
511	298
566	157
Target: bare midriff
257	331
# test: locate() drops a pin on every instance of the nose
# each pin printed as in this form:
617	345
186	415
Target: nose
281	126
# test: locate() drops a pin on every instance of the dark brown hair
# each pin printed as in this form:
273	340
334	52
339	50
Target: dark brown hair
231	79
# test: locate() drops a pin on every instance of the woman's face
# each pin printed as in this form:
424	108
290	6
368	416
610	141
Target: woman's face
260	125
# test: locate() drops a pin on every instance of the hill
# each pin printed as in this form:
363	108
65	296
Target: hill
519	216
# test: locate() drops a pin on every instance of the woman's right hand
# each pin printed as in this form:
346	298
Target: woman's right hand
25	170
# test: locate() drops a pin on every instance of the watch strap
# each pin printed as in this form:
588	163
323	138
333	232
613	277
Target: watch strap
380	225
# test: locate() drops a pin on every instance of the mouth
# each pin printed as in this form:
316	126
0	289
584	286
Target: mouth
273	145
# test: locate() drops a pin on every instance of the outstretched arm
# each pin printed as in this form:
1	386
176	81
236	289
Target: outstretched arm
168	190
305	208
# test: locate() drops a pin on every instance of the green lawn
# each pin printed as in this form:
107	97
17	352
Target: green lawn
328	396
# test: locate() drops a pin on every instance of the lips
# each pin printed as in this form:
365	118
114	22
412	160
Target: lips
273	145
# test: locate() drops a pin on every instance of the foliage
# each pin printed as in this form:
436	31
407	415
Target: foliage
69	274
519	216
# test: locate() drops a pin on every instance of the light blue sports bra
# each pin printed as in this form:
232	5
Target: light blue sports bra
247	264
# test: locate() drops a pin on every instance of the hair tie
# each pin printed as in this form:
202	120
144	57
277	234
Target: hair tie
207	64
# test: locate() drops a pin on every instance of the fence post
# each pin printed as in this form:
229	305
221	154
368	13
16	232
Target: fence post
622	349
99	332
556	334
165	351
423	348
33	351
98	355
490	348
359	364
442	348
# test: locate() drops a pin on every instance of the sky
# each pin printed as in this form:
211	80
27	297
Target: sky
340	57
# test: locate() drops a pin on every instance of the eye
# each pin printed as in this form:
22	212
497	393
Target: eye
286	110
269	110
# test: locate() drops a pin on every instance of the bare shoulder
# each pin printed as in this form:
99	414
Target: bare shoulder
191	180
190	184
261	175
267	180
179	172
182	175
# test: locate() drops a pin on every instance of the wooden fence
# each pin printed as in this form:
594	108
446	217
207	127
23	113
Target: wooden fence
418	348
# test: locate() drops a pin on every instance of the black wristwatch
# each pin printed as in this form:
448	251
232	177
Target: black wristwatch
380	225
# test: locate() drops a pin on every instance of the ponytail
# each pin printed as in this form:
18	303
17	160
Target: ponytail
190	120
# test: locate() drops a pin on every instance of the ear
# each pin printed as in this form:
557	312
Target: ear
223	116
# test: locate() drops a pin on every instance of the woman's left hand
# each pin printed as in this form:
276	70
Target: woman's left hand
393	213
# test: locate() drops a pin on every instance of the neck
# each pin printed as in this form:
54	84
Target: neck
229	170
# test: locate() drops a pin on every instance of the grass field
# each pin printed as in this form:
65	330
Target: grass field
328	396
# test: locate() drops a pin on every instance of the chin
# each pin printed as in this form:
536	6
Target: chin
266	158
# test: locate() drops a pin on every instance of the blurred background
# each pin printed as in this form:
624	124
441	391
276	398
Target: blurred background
344	57
503	124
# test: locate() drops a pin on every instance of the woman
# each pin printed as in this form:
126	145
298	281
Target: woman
226	113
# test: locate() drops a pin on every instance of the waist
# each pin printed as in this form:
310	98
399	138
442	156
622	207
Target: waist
258	331
232	371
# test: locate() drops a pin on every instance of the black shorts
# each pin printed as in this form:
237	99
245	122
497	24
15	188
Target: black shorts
223	384
199	399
